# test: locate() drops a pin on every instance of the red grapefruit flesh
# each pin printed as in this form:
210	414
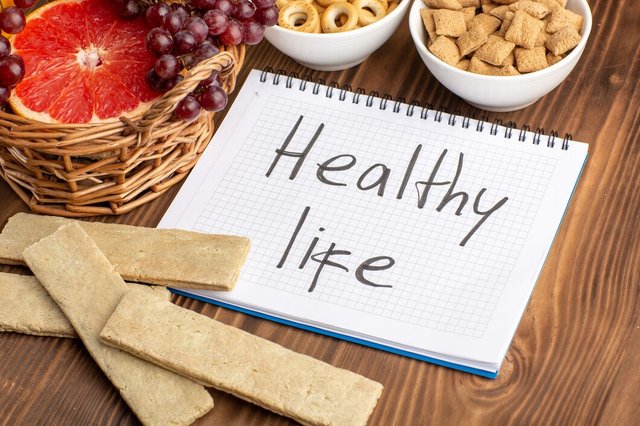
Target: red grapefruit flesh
83	64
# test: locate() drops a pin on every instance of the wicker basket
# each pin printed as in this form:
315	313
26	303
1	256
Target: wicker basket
110	168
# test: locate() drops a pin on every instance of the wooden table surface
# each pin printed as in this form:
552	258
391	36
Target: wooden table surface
575	358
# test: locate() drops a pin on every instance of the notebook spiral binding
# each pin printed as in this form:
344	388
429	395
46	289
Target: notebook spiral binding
386	101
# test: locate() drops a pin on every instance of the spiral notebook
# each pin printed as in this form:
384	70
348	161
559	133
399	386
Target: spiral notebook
392	225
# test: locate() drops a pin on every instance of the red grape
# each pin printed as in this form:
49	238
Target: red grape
252	32
188	108
167	66
206	50
213	98
170	84
11	70
154	14
5	46
267	16
155	82
173	21
180	9
198	27
159	41
4	95
212	79
203	4
24	4
244	10
261	4
217	21
188	60
130	9
233	34
225	6
12	20
184	42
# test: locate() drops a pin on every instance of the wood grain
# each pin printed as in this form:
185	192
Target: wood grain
574	358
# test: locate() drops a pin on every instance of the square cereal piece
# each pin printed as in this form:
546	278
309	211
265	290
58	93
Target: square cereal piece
563	40
471	40
542	38
463	64
499	11
470	3
511	60
446	50
524	29
495	50
429	23
487	22
533	8
487	8
551	4
561	18
449	22
479	67
443	4
509	70
469	14
530	60
553	59
562	3
506	22
505	1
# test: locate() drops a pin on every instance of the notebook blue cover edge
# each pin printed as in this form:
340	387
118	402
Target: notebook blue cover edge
476	371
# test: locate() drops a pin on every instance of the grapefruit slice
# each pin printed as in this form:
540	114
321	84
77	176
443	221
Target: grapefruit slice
83	64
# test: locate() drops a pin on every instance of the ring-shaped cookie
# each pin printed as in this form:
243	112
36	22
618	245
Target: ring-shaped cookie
331	17
326	3
369	11
299	16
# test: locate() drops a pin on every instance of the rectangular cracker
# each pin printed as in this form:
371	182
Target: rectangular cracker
27	307
154	256
249	367
85	286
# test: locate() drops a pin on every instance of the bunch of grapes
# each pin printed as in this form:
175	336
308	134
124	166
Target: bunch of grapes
183	35
12	21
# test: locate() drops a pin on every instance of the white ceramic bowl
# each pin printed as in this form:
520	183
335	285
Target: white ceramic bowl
497	93
336	51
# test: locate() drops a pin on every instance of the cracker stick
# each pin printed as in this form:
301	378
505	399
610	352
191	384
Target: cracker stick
154	256
249	367
27	307
85	286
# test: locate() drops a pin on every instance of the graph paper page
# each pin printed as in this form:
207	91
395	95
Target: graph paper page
375	219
